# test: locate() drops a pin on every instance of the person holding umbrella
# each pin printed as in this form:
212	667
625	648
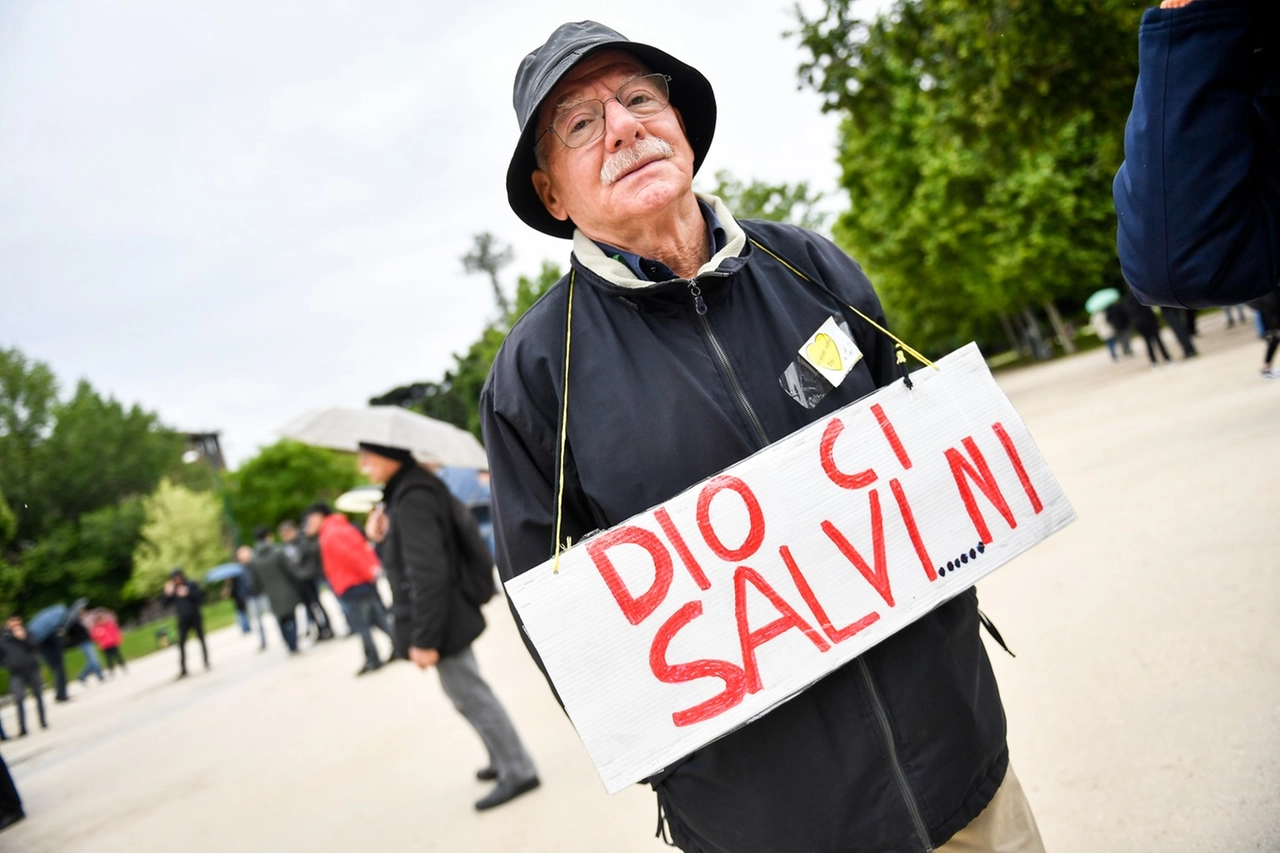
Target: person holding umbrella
186	599
46	630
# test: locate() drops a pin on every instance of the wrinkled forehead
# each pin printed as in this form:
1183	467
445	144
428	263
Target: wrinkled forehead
599	72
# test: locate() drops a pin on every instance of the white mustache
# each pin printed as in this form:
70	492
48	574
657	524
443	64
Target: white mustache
627	159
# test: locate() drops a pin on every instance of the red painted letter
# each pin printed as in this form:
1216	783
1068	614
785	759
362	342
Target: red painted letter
686	556
892	435
879	576
913	531
1012	452
963	473
751	640
837	635
754	515
635	609
827	453
735	680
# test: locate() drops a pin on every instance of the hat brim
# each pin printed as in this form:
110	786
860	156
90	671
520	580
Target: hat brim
691	94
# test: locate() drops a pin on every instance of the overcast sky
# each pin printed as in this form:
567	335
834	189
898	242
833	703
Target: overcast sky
232	212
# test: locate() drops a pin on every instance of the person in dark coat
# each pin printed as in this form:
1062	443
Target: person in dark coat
1147	324
273	576
681	319
1198	195
18	655
420	555
304	555
186	598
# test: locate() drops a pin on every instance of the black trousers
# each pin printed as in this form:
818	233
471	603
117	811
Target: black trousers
114	657
185	627
315	610
51	651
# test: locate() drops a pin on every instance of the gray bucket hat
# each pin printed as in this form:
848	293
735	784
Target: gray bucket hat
541	70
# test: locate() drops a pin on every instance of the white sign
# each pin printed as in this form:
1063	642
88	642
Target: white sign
693	618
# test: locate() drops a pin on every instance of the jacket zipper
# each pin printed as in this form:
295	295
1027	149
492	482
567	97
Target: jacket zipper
883	718
700	306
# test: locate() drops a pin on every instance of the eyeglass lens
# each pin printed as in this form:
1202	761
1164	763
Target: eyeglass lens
583	123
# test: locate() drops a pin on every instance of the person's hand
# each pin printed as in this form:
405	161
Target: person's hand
182	591
168	587
1175	4
375	526
424	658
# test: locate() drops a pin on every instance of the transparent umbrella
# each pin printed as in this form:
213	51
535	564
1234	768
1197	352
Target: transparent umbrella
428	439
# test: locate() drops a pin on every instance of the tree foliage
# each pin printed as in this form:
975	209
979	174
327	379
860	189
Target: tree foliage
756	199
978	144
456	397
73	474
183	529
285	478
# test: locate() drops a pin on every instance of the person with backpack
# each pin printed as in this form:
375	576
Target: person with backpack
424	548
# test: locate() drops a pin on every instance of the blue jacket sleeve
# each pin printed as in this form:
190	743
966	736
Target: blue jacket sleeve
1198	196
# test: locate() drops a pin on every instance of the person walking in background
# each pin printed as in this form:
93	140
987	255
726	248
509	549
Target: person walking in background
18	655
1268	308
105	631
1104	331
78	636
351	568
273	576
186	599
1118	319
1147	325
51	649
305	558
256	604
1180	323
420	552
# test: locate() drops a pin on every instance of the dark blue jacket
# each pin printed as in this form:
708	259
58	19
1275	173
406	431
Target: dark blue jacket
895	751
1198	196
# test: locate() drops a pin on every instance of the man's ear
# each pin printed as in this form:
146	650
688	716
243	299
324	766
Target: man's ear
545	188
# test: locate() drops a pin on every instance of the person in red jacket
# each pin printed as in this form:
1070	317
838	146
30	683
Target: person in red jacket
105	631
351	568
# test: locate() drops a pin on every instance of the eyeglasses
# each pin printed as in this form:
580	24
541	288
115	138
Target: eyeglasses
582	123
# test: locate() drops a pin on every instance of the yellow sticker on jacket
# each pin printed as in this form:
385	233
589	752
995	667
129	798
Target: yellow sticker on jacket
831	352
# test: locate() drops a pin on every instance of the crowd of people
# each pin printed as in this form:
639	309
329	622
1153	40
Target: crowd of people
1115	326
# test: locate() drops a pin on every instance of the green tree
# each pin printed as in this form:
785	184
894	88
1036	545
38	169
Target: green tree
977	146
73	474
456	397
795	204
28	394
285	478
183	529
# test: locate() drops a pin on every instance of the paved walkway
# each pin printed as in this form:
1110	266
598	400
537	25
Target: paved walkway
1144	704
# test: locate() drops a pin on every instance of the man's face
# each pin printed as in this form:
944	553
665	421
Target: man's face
15	626
379	469
571	183
311	526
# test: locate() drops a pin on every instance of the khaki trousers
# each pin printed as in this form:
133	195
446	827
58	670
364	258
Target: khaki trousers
1006	825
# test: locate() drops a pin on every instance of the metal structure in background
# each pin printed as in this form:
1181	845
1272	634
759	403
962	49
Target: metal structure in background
207	446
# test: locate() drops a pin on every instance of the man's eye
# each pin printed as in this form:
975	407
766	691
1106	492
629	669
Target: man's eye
579	124
638	99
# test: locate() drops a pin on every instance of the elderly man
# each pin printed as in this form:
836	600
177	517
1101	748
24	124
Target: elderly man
677	331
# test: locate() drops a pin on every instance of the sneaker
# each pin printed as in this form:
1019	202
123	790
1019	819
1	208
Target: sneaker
368	668
1270	373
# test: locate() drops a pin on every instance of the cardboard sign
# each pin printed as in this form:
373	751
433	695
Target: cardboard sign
693	618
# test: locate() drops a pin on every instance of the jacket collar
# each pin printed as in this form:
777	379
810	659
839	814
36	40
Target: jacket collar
616	273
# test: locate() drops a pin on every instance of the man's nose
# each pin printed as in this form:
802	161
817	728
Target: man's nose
620	126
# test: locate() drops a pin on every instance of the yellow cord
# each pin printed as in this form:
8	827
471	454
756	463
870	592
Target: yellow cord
564	424
917	356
